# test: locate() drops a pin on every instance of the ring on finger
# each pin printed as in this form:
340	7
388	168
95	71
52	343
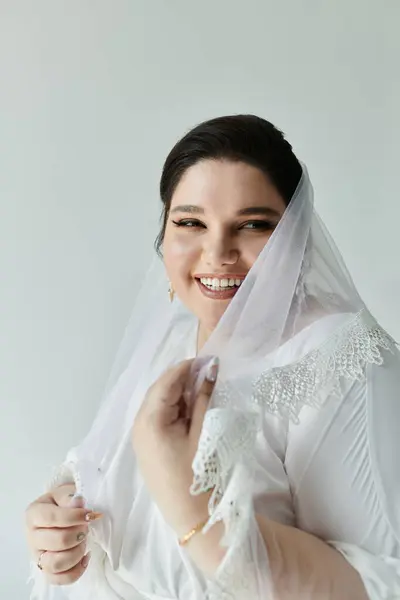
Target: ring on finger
39	562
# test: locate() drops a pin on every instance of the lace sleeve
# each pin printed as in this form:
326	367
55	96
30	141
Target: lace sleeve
225	457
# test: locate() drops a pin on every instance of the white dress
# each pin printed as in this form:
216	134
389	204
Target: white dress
335	474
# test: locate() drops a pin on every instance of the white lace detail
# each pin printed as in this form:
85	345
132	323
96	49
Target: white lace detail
225	446
223	461
236	577
227	437
307	382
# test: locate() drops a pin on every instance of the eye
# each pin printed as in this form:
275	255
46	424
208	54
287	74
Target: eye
258	225
190	223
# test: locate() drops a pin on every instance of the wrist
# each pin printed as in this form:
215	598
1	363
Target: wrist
205	548
189	513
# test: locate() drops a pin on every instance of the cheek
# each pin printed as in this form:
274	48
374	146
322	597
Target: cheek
180	257
252	248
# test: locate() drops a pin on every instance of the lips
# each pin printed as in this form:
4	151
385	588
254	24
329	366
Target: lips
221	287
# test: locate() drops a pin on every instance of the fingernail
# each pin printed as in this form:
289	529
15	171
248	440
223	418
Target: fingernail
81	536
77	501
93	516
212	370
85	560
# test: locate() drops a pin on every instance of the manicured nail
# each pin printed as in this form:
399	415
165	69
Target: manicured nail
93	516
85	560
81	536
212	370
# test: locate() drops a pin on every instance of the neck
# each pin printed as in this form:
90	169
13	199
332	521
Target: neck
202	335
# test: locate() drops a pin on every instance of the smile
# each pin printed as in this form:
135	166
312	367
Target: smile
219	288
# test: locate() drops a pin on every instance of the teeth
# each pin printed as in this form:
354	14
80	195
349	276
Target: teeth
216	284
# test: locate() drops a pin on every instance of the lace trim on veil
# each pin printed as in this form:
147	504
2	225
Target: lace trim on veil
223	461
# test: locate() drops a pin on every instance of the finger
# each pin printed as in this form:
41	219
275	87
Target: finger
165	397
65	495
195	381
57	540
70	576
50	515
77	501
59	562
44	499
162	405
202	400
163	416
73	501
170	386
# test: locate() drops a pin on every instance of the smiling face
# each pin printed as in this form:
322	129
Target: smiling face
221	216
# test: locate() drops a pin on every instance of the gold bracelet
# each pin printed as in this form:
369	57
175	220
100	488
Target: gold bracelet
186	538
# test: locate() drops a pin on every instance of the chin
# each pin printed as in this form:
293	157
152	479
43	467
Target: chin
208	312
210	318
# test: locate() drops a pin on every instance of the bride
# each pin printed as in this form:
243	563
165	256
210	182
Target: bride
246	446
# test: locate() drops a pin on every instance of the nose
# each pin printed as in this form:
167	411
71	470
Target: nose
220	250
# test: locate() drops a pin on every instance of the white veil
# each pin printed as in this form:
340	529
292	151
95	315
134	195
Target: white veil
298	279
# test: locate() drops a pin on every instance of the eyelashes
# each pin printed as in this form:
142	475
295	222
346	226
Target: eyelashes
188	223
258	225
255	225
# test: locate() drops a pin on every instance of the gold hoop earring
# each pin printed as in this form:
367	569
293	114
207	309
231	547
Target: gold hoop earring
171	292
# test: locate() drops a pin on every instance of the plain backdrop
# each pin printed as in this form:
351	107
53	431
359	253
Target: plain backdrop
92	96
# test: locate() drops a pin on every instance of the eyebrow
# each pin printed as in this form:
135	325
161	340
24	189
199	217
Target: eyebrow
251	210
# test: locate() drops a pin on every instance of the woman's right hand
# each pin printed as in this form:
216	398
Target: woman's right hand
57	524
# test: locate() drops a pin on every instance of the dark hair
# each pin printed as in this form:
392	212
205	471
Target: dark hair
238	138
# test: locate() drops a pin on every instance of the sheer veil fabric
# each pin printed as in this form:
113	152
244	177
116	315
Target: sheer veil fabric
298	289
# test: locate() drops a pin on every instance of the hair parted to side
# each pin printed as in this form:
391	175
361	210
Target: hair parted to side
237	138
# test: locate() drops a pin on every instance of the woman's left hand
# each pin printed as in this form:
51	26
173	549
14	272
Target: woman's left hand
165	440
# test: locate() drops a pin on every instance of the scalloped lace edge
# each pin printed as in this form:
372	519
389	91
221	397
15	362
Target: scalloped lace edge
223	452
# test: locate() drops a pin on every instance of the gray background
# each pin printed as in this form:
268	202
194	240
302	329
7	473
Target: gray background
92	96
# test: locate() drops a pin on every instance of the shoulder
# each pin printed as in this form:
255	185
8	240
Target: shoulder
315	332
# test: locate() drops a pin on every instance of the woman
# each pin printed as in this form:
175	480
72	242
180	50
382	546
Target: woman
263	398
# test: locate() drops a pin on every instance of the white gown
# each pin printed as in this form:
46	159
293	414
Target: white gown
335	474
